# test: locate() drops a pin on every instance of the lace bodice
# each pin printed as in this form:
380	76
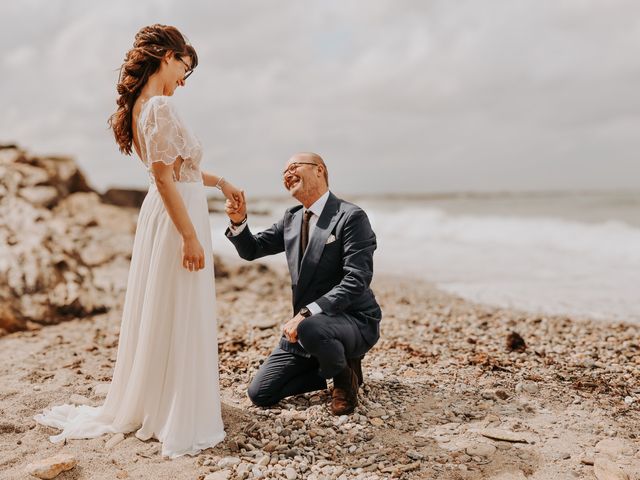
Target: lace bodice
163	137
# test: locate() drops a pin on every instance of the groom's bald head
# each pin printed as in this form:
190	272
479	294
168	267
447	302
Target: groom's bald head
306	177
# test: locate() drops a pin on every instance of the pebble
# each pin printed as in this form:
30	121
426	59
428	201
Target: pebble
413	455
256	472
219	475
481	450
101	389
506	435
377	422
615	447
79	399
605	469
228	462
290	473
114	440
243	470
51	467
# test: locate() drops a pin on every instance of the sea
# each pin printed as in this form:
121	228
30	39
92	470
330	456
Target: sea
564	253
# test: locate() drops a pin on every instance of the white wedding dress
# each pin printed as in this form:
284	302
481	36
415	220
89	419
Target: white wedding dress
165	384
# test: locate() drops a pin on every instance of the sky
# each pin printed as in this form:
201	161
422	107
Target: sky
415	96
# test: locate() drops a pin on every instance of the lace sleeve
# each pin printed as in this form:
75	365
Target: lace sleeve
163	132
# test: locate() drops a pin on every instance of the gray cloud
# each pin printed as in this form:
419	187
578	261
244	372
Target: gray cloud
398	96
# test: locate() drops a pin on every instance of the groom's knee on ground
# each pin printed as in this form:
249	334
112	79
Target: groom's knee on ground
260	397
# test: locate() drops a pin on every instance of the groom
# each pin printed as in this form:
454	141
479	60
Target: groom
329	246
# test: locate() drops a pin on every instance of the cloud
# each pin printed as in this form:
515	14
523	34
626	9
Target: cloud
410	96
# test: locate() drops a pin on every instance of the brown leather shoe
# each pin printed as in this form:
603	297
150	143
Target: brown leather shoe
356	366
344	397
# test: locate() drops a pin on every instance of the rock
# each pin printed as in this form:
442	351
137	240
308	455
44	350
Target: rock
488	394
270	447
290	473
101	389
114	440
55	230
124	197
501	394
615	447
228	462
79	399
257	473
376	422
481	450
243	470
96	254
515	343
376	412
51	467
264	461
605	469
413	455
219	475
506	435
517	475
40	196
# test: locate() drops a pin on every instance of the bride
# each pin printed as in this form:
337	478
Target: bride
165	383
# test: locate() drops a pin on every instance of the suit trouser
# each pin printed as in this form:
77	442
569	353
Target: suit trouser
330	340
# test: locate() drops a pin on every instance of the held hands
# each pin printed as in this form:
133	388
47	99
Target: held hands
192	254
236	210
290	329
233	195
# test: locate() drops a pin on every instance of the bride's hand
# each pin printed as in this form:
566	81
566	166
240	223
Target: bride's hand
235	196
192	254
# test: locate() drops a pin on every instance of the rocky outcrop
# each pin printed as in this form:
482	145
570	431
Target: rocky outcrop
124	197
64	253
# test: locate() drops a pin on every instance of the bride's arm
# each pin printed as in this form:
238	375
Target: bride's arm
163	175
209	179
227	188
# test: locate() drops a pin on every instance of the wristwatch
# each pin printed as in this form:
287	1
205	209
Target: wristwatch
305	312
244	220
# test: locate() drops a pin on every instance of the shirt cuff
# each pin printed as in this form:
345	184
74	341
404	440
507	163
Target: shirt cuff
237	230
314	308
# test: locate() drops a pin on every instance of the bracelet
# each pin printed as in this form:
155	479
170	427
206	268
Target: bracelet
236	225
220	183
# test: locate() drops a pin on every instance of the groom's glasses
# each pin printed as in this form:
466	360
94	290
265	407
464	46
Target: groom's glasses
294	166
188	72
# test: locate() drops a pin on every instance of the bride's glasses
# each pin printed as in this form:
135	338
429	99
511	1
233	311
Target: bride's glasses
188	72
294	166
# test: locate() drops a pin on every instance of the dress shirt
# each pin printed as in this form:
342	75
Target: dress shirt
316	209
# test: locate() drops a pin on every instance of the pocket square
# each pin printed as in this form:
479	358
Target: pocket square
331	239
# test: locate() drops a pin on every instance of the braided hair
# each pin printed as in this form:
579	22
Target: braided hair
149	48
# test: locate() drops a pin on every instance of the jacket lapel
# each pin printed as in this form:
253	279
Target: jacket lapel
312	254
293	225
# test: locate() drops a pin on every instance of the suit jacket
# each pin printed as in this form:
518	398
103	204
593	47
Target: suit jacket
335	275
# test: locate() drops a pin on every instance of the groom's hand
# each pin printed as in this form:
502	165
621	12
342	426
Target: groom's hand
290	329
